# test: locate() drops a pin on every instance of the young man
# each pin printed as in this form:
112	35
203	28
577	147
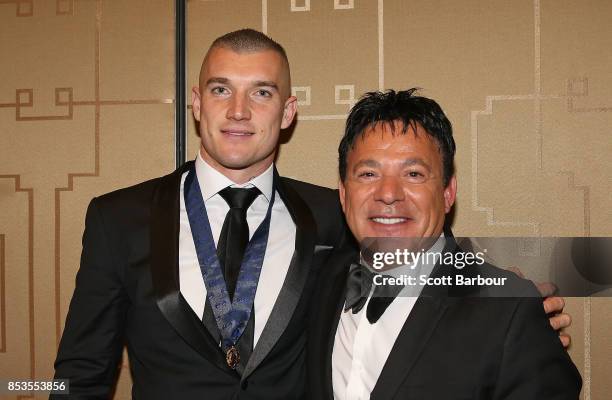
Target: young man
194	323
451	342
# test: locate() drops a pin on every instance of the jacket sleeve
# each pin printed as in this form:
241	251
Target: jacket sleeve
91	345
535	365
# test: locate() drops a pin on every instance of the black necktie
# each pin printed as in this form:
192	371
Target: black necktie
359	284
234	235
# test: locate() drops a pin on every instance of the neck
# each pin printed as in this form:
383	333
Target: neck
239	175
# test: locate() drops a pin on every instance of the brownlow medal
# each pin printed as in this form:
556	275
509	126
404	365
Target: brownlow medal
232	357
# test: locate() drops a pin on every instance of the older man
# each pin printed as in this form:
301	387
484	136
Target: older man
397	181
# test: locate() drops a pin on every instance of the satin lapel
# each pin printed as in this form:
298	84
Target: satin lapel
330	316
291	291
408	346
415	333
165	274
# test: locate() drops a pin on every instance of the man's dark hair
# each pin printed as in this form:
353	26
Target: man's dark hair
248	40
402	106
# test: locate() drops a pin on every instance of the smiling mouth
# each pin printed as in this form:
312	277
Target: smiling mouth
389	221
231	132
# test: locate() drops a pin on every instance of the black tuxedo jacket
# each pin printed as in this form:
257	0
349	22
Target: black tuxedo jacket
127	292
454	344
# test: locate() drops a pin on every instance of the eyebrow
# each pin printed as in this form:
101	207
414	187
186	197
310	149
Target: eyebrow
216	80
269	84
416	161
366	163
406	163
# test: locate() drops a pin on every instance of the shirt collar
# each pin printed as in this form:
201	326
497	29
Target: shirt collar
216	181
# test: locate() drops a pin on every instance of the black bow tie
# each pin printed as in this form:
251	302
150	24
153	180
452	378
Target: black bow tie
359	285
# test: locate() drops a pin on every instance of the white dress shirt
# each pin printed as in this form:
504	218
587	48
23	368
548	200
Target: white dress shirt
361	349
279	250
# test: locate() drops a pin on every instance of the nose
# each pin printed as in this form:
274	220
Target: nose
389	190
239	108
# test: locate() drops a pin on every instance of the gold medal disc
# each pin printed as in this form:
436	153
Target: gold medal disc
232	357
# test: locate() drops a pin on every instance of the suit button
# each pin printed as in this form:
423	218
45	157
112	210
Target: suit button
244	385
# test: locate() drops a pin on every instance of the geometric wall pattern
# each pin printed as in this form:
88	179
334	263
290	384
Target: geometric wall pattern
87	106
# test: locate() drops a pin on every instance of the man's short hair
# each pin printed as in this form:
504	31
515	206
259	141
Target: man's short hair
391	107
249	40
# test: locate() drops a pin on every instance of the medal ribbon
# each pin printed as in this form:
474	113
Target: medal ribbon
231	317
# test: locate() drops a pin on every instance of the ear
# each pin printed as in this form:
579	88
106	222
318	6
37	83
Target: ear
196	102
450	193
289	111
341	193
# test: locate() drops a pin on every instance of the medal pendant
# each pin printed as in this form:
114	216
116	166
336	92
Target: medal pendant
232	357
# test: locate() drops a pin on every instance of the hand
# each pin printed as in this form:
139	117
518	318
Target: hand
553	307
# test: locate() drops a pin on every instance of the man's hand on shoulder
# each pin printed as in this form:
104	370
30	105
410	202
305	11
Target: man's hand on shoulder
553	307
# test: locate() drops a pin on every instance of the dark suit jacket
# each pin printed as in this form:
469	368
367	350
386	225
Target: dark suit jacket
454	343
127	292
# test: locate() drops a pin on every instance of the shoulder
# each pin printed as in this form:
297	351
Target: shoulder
324	205
504	283
313	194
472	276
128	203
137	193
142	193
323	202
133	203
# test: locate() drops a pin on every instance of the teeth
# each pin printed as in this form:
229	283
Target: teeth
389	221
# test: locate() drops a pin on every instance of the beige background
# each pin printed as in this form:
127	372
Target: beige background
86	106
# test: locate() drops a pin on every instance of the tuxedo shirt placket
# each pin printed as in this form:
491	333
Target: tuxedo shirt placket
357	387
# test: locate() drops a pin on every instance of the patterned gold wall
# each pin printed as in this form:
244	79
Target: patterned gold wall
86	106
